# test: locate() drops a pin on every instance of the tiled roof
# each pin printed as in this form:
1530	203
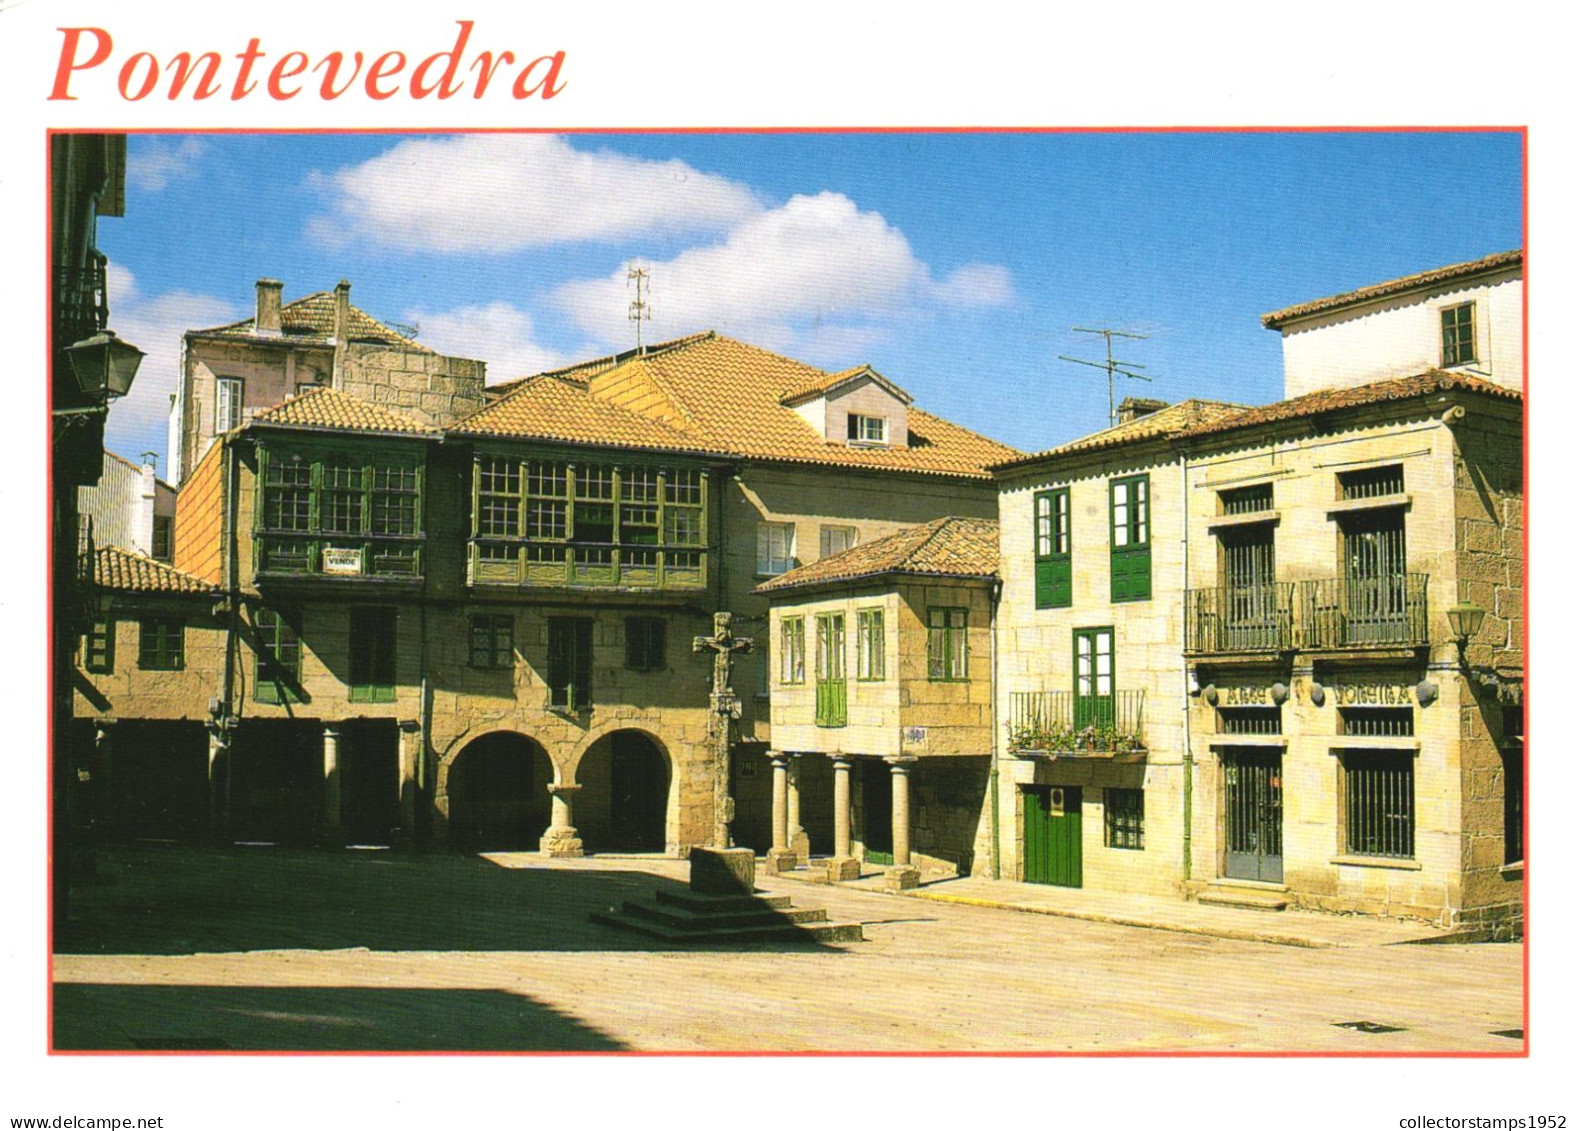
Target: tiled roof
1278	318
552	408
332	409
724	396
946	547
582	370
313	317
1170	421
114	568
829	381
1377	392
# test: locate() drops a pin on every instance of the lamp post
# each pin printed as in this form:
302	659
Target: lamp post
1465	618
104	365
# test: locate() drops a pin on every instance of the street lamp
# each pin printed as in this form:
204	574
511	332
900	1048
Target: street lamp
1465	618
104	365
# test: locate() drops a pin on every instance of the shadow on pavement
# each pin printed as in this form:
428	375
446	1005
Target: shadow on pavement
334	1019
167	899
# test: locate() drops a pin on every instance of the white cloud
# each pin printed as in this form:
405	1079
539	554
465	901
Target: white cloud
154	324
500	193
813	274
151	164
498	333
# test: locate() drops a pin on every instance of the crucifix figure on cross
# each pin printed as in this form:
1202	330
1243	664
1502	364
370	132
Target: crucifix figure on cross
724	646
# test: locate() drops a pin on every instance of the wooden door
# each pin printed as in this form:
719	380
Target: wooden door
1053	835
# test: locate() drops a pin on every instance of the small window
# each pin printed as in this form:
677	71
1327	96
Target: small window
1379	797
1124	818
1249	500
836	539
372	642
1053	550
161	645
1511	781
791	654
569	663
493	641
867	429
163	532
947	644
278	670
1457	346
774	548
1371	482
227	404
98	647
645	644
1373	722
1248	720
871	629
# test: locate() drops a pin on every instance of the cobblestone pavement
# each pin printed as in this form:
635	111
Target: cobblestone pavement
273	949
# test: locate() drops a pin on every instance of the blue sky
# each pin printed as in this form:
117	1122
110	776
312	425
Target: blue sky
956	264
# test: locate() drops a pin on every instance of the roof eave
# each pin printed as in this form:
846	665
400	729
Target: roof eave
852	580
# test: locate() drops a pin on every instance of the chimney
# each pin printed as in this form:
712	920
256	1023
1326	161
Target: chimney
269	292
1132	408
341	310
141	532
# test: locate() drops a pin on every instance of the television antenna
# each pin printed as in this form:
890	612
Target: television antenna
1114	367
641	306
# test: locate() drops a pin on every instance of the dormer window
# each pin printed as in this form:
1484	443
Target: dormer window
867	429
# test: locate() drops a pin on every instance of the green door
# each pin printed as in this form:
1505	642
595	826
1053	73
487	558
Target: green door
1053	835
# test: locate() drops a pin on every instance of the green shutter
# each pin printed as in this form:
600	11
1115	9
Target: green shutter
1052	536
1130	538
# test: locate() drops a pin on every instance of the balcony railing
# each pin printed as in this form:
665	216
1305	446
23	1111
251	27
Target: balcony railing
81	301
1060	722
1251	618
1341	612
642	566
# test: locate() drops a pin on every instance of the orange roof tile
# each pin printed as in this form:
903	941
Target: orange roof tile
583	370
1170	421
1278	318
553	408
124	571
312	317
943	547
1357	396
338	411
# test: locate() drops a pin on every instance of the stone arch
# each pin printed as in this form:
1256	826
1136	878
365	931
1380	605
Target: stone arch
629	792
498	798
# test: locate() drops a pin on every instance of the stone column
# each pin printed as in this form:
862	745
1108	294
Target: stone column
410	750
780	857
331	800
902	874
798	842
560	839
843	865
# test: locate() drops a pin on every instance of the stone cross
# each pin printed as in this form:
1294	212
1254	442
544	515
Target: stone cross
724	646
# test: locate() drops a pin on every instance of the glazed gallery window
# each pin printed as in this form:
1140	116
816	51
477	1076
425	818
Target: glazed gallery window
1457	346
278	669
791	650
947	644
774	548
161	644
492	641
343	513
871	645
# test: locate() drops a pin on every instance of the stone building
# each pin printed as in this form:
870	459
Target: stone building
231	373
881	703
479	633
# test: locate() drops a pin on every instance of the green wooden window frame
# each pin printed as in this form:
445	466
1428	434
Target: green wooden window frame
947	643
1124	818
161	644
1458	345
832	688
1094	677
276	674
373	643
645	644
871	645
569	663
492	641
364	499
1053	536
1130	538
791	650
98	646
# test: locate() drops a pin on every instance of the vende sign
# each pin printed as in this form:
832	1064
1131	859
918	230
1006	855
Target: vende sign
337	560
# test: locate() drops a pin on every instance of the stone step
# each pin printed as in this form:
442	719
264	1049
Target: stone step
780	932
693	901
1249	898
686	920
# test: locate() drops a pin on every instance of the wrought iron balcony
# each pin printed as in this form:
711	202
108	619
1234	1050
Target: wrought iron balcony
81	301
1391	611
1059	722
1244	618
